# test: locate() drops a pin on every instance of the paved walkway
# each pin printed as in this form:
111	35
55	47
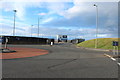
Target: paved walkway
23	52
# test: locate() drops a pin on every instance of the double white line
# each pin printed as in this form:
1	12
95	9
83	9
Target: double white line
112	58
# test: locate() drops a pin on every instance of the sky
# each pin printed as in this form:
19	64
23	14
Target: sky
74	18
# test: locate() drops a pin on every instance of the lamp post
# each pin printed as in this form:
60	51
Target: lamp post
14	22
39	24
96	41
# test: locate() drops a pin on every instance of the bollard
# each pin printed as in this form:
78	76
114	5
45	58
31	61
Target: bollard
51	43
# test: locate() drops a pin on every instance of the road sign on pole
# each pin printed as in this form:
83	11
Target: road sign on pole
115	47
115	43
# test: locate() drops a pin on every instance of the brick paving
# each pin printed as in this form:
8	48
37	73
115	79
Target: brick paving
23	52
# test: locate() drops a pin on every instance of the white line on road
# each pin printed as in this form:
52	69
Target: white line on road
110	57
113	59
118	64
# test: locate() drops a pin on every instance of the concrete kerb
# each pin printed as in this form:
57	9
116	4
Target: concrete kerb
112	57
7	51
95	49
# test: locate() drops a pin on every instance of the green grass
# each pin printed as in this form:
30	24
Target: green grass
103	43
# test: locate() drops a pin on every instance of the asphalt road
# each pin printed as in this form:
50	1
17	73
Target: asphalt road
63	61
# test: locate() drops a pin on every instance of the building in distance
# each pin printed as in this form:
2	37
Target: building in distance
62	38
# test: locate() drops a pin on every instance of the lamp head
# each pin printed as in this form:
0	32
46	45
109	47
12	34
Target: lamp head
95	5
15	10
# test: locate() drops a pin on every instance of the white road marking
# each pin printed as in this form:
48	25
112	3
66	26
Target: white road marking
113	59
108	55
118	64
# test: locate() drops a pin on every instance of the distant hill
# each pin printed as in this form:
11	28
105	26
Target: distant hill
103	43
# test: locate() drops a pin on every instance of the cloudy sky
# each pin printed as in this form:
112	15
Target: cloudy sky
74	18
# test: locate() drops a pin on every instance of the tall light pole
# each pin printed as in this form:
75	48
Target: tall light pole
96	41
14	22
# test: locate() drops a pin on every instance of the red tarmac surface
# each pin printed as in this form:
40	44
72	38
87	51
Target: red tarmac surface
23	52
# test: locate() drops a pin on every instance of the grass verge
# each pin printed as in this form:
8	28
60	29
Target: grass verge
103	43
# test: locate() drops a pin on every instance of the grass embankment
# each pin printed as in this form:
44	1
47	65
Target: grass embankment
103	43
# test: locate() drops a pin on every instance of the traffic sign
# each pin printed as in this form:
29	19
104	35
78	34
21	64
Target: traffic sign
115	43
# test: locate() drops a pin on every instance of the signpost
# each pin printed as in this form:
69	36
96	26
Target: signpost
6	41
115	47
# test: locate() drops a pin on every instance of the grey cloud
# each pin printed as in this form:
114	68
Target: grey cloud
88	18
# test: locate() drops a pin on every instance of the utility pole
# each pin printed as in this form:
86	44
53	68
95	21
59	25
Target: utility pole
96	41
14	22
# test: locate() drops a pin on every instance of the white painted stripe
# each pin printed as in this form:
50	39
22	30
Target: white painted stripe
108	55
113	59
118	64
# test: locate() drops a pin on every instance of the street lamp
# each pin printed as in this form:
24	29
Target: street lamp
38	24
96	42
14	22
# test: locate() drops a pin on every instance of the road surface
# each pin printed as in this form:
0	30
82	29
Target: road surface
63	61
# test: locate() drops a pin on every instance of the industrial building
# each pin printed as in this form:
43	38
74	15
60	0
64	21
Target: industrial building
62	38
75	41
25	40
